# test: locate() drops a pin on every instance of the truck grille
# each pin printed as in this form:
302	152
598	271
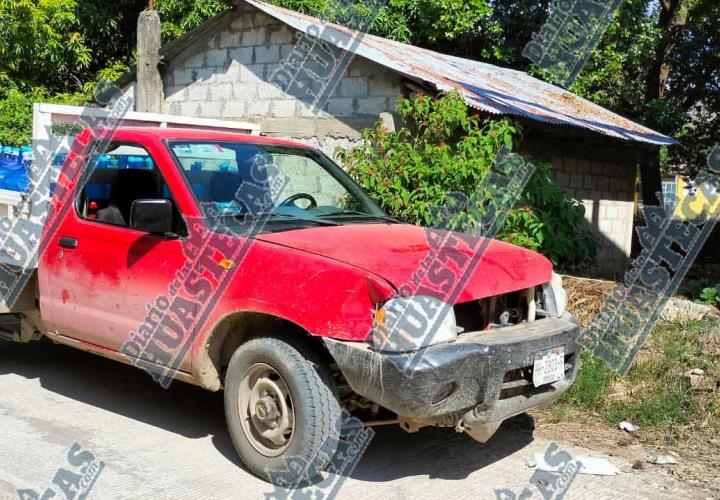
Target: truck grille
503	310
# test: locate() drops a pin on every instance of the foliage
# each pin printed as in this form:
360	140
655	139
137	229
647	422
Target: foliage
62	46
424	22
16	113
710	296
180	16
444	150
704	292
42	39
551	223
654	393
16	118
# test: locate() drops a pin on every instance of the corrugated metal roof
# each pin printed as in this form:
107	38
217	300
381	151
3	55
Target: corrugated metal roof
483	86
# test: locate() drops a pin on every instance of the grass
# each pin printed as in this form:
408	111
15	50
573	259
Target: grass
655	394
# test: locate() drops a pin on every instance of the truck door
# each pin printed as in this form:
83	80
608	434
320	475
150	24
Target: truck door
102	278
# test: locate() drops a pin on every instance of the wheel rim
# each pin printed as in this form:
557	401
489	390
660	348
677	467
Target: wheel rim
266	410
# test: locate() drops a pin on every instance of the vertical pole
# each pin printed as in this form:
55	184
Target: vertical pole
149	92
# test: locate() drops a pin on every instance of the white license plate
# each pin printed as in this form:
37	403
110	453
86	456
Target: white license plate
549	366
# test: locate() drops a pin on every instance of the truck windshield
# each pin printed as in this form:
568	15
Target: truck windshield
290	184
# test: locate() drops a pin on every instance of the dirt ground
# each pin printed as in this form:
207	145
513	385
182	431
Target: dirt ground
697	453
173	444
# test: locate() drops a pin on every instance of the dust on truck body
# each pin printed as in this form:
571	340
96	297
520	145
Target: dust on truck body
295	310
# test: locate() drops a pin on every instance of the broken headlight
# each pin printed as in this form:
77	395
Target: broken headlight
406	324
554	296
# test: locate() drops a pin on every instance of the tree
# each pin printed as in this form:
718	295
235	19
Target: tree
180	16
671	24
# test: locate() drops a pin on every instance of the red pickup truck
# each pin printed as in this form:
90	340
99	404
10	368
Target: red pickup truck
259	267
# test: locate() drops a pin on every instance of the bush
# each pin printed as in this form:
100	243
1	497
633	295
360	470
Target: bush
442	150
16	112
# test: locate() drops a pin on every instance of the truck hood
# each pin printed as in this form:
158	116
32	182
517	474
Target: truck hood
403	254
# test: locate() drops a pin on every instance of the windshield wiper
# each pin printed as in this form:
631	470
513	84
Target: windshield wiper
306	219
364	215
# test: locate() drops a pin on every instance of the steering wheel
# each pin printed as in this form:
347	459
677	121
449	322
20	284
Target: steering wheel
290	201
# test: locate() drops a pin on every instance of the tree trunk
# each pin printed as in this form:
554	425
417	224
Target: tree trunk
673	18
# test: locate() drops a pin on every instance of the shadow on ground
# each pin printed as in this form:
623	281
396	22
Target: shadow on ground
195	413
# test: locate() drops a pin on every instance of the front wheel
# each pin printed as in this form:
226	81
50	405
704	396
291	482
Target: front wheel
282	410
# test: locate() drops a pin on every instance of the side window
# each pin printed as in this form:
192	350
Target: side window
118	176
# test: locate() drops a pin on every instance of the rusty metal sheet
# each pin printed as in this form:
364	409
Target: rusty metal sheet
483	86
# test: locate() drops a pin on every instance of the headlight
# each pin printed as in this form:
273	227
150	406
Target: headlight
555	297
406	324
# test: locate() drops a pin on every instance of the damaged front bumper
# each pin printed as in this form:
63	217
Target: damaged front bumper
472	384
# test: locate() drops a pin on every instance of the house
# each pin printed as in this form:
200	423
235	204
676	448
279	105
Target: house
268	65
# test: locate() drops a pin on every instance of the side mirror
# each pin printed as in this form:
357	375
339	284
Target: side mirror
152	216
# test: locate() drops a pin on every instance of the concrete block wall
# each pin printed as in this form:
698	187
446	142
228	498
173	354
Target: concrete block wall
227	75
606	189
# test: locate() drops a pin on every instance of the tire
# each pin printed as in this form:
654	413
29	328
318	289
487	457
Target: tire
253	410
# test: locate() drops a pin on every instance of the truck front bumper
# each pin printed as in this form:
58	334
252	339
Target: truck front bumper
482	378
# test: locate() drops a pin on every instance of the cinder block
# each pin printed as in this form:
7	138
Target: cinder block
285	108
374	105
182	76
198	92
570	164
603	182
269	91
341	106
589	181
362	67
354	87
305	110
618	185
232	74
217	57
382	87
254	37
576	180
211	109
269	54
245	91
204	75
258	108
262	19
583	166
172	108
176	94
229	39
221	91
242	22
234	109
282	36
243	55
190	108
581	195
562	179
253	73
286	50
618	228
196	61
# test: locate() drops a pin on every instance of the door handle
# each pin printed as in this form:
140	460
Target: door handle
68	242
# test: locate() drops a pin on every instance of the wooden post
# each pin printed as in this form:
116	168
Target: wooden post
149	92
